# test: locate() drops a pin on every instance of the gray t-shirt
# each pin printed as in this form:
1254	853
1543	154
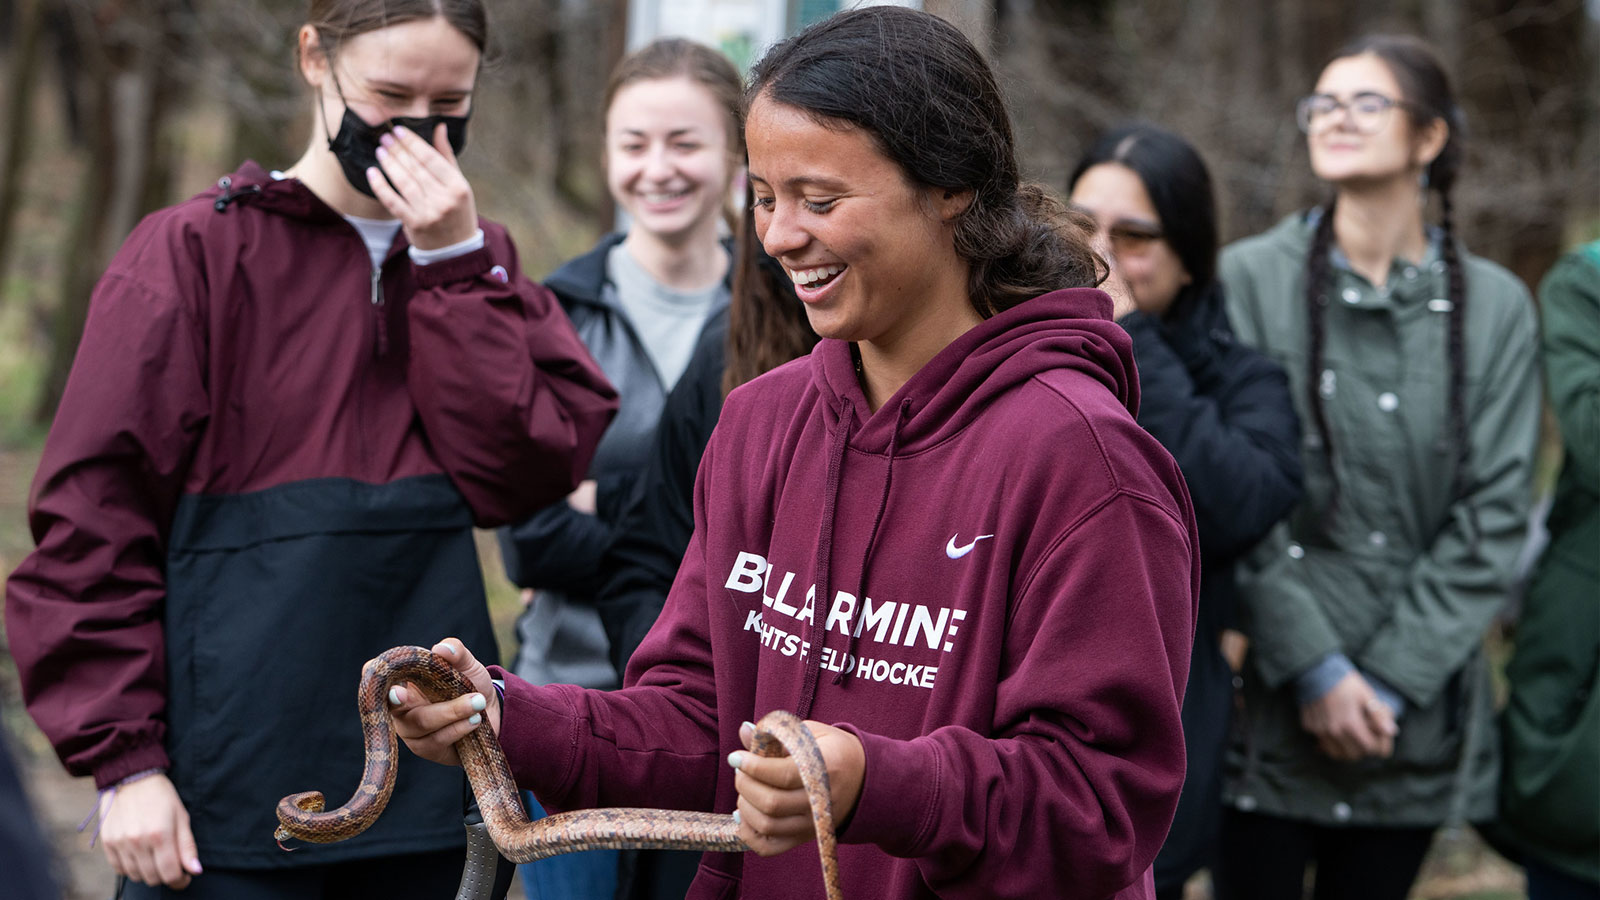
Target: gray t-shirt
668	321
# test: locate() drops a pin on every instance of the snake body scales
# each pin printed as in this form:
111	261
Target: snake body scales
302	815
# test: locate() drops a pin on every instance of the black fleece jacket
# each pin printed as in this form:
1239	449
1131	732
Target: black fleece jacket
1224	412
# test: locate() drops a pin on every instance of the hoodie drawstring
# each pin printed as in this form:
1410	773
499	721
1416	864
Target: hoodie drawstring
853	634
830	504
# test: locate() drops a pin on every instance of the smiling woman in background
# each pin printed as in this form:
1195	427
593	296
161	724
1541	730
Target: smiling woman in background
639	302
297	393
1414	365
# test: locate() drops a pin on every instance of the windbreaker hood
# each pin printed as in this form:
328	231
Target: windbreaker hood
254	185
1069	329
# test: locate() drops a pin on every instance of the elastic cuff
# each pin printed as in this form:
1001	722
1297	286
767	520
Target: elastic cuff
440	254
140	758
1390	696
538	733
1314	683
899	787
457	268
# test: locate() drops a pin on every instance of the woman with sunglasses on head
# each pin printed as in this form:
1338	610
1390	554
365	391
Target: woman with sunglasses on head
1367	709
297	393
640	302
941	536
1220	408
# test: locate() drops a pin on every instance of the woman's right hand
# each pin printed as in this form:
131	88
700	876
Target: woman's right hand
1350	722
432	729
144	831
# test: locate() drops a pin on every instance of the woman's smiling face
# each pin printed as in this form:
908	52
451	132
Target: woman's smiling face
668	161
869	253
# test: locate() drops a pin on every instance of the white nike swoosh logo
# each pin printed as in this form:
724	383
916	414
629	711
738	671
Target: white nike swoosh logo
954	552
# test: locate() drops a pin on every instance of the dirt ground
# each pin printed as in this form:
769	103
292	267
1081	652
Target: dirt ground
1459	868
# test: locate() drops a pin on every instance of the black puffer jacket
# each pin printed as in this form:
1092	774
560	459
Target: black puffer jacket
1224	413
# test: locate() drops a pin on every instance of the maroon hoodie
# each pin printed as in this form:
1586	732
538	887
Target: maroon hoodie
1011	570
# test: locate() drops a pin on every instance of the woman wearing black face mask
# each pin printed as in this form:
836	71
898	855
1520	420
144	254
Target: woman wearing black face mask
297	394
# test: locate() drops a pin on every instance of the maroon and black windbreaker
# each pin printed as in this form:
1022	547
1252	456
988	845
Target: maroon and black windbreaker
265	470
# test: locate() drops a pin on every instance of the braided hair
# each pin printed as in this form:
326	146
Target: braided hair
1426	87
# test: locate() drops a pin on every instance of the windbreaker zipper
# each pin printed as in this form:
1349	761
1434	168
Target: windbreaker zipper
378	311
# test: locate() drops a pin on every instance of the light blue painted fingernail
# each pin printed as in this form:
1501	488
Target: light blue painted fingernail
448	648
736	817
749	725
394	696
476	718
478	702
736	759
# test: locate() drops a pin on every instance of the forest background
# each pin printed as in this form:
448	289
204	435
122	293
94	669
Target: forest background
114	108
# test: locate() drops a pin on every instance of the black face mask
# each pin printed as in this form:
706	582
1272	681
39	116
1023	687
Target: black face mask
356	144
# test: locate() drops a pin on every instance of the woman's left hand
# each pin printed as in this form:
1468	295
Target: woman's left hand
774	813
434	203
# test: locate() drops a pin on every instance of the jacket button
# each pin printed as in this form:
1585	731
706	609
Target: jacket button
1439	304
1245	803
1341	811
1438	267
1296	551
1330	383
1377	539
1388	402
1351	295
1411	272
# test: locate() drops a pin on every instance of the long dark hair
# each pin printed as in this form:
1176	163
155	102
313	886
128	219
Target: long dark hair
767	324
926	96
1426	88
1179	185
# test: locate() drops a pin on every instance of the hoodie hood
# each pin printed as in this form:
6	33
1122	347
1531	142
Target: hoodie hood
1067	329
1002	614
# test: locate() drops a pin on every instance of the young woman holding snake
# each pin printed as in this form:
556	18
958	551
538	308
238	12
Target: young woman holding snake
297	393
941	537
1366	719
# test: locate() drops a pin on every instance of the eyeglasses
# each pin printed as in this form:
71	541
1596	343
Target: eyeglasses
1368	111
1127	238
1132	240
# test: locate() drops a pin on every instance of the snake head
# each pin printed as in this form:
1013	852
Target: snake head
280	835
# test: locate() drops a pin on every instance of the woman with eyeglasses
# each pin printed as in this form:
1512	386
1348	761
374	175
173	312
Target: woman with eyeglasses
1220	408
1366	704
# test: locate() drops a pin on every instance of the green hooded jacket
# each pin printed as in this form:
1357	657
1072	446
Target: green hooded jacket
1405	577
1550	793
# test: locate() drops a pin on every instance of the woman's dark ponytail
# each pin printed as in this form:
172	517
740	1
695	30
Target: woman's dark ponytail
1321	382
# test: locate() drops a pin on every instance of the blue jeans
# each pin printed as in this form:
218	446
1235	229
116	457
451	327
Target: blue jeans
590	875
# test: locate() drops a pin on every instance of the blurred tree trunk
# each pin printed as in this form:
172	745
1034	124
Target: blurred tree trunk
20	82
258	45
129	52
1530	94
